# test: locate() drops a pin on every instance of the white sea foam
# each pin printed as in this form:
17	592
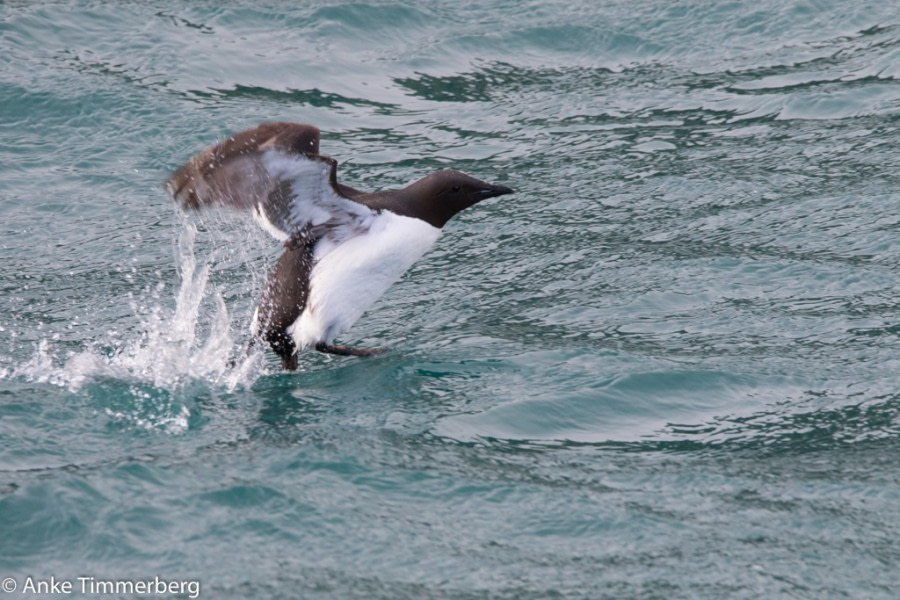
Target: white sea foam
170	349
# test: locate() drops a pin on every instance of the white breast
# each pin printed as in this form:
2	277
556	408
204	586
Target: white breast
349	277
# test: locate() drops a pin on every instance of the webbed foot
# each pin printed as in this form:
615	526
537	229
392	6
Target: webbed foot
348	351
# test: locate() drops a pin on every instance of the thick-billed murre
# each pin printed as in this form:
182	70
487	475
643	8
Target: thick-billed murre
343	248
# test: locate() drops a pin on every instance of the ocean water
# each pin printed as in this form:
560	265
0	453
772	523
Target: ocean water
668	367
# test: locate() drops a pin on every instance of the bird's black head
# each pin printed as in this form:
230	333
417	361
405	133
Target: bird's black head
439	196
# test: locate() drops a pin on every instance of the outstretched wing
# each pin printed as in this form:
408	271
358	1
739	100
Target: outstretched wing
275	172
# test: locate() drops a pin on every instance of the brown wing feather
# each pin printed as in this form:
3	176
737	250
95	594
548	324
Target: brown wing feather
231	173
275	172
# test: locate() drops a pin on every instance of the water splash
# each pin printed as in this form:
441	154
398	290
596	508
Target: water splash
151	380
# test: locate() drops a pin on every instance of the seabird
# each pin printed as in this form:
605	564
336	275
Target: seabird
343	248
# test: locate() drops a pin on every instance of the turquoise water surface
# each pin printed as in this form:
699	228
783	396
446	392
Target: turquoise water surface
668	367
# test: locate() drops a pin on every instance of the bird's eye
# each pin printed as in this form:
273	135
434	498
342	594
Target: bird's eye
455	188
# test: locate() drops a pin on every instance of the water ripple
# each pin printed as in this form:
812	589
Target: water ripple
665	366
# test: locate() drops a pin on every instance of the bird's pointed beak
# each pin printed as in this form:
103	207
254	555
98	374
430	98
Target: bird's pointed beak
495	190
